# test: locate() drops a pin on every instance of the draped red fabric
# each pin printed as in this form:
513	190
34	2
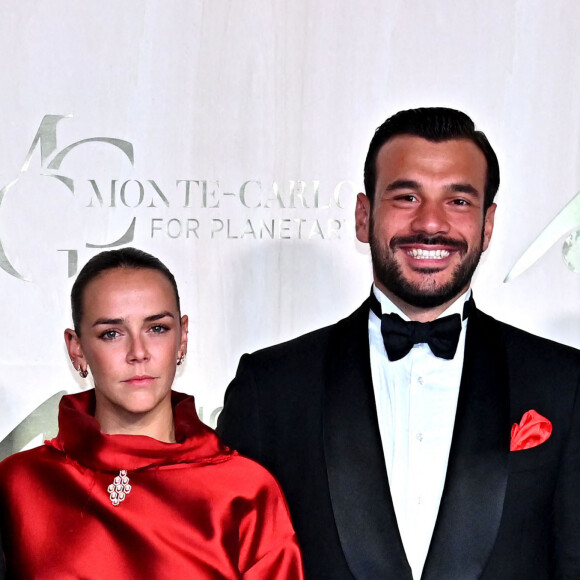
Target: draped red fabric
531	431
195	509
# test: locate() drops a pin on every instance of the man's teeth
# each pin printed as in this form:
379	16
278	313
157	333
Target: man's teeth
428	254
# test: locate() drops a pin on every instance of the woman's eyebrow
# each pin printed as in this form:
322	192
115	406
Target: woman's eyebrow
159	316
113	321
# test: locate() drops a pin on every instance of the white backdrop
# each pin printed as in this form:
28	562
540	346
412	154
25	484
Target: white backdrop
228	138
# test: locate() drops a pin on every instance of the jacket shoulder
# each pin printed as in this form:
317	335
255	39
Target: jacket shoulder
314	341
523	345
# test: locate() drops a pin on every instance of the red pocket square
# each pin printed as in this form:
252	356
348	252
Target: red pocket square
532	431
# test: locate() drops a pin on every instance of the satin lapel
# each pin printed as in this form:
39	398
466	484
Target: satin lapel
357	476
473	496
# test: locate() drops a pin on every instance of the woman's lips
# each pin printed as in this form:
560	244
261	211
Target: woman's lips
140	381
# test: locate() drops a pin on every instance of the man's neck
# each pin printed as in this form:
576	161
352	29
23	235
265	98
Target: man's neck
416	313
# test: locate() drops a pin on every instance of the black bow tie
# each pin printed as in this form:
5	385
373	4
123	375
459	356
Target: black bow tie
399	336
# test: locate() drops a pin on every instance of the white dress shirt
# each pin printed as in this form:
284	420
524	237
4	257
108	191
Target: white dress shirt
416	399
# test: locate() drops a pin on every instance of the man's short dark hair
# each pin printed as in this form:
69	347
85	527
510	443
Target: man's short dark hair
434	124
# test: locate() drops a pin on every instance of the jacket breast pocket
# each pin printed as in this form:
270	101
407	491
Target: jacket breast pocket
540	457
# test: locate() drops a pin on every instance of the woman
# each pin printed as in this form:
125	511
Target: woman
134	485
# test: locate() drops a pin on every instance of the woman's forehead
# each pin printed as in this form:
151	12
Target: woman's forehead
128	290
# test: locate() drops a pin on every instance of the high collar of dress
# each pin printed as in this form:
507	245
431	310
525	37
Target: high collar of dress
80	438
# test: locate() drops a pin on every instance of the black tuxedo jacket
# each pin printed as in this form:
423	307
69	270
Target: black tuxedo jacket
305	409
2	563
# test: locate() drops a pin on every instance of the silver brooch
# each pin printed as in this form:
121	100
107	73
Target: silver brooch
119	489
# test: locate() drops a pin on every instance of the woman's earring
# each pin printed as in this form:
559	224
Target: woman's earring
82	373
181	359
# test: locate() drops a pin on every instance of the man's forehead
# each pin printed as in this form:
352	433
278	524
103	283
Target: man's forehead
413	152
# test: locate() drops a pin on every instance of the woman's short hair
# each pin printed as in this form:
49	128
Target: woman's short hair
110	260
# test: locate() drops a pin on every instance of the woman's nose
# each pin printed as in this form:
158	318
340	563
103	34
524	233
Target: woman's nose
137	350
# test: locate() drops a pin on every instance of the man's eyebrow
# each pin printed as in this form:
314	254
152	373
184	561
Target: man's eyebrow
114	321
463	188
402	184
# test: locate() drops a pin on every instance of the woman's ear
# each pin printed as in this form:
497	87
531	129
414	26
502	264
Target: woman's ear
183	342
75	352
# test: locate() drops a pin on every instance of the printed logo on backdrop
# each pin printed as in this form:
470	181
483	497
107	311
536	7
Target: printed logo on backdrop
567	220
203	209
188	210
191	210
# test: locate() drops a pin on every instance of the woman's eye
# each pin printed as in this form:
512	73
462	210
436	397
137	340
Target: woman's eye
158	329
109	334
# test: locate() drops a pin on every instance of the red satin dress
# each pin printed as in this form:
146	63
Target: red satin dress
191	509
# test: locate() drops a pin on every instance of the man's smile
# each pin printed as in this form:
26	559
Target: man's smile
422	254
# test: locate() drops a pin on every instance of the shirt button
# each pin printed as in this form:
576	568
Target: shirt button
419	437
420	380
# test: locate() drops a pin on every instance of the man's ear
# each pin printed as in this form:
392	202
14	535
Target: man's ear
362	217
488	225
75	351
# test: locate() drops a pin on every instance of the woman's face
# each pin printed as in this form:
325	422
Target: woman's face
131	337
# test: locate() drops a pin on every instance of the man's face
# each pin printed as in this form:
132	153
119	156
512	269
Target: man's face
427	228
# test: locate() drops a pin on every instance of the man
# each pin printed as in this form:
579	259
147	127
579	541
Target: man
398	465
2	563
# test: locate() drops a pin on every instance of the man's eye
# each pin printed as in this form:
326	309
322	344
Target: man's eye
406	197
460	202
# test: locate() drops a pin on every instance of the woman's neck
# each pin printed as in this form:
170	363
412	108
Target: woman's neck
156	423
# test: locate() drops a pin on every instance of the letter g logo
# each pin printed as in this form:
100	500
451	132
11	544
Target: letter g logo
50	162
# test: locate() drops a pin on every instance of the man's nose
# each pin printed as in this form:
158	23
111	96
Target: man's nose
430	217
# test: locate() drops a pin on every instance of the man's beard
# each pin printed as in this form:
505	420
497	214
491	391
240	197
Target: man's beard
429	295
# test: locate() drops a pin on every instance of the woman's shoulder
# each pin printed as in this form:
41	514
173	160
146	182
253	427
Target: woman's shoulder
248	476
26	457
24	462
